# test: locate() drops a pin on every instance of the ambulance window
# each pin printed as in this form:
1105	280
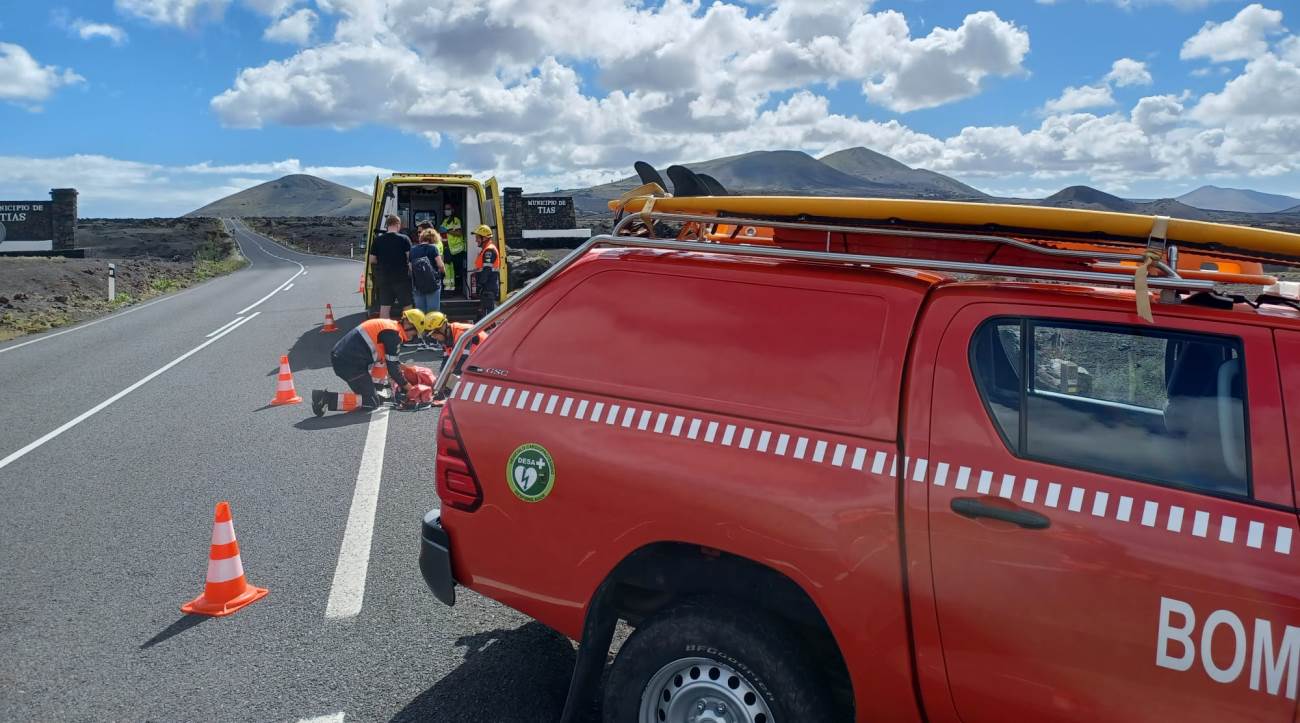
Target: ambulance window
1164	407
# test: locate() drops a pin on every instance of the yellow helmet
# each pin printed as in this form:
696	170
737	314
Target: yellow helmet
434	321
483	230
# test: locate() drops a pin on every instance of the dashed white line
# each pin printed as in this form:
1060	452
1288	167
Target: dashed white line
223	327
349	587
331	718
15	456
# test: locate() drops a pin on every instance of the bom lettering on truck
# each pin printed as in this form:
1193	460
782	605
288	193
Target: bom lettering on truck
1273	657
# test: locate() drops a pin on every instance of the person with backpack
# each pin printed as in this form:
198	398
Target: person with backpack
427	270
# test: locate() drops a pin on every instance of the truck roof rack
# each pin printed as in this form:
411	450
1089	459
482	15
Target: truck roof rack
1156	254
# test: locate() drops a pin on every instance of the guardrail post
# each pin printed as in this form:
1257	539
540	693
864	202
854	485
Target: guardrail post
112	282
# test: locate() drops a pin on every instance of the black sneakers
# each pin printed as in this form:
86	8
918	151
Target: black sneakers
318	402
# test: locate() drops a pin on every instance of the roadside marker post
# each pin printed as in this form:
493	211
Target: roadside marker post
112	282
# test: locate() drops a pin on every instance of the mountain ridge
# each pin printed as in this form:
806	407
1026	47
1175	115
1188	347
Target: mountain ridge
297	194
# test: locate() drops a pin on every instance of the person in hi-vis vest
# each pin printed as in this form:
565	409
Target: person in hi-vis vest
487	271
454	233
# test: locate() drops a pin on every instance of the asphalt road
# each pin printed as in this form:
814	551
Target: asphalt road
117	439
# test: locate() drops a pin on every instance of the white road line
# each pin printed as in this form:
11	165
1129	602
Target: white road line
349	588
331	718
290	286
89	324
104	404
224	327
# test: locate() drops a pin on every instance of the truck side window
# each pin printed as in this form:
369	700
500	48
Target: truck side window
1158	406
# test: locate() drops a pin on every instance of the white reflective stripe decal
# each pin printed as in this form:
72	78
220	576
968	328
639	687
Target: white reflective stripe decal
223	533
921	470
1227	529
819	452
1149	512
1099	504
223	570
728	435
390	357
1175	519
918	469
1076	499
1008	488
963	478
1255	535
1125	511
1201	523
941	474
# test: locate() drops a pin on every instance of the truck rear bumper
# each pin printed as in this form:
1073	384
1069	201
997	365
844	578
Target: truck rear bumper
435	558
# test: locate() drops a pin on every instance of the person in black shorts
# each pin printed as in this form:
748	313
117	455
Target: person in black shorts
390	265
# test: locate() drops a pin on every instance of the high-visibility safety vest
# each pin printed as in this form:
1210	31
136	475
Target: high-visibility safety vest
448	270
496	261
451	229
370	331
457	329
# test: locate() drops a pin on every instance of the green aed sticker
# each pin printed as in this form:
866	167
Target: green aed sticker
531	473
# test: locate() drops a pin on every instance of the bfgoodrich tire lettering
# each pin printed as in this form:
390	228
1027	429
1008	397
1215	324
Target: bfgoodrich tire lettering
747	652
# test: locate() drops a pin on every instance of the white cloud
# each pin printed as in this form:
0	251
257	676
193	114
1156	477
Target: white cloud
87	30
1268	87
295	28
28	83
1127	71
116	187
180	13
1080	98
1241	38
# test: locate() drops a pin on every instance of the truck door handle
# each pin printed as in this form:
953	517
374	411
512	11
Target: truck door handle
973	507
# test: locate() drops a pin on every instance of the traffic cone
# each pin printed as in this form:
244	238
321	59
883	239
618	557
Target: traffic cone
329	320
224	589
361	287
284	392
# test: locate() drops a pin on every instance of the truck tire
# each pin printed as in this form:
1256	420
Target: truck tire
714	662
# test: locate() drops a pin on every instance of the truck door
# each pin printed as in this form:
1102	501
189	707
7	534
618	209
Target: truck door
1111	525
496	219
376	206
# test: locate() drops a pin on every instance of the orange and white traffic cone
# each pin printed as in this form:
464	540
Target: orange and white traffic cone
329	320
361	287
284	392
224	589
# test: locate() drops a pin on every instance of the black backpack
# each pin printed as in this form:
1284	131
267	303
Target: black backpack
424	276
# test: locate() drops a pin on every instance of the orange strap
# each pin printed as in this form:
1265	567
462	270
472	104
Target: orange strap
1159	230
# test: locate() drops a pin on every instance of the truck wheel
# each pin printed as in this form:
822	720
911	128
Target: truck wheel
698	663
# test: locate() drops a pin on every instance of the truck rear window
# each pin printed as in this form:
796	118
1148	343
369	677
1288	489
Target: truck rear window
786	351
1165	407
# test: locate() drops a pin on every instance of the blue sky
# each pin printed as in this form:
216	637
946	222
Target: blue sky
154	107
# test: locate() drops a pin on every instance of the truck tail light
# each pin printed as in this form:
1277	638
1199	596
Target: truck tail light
458	484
